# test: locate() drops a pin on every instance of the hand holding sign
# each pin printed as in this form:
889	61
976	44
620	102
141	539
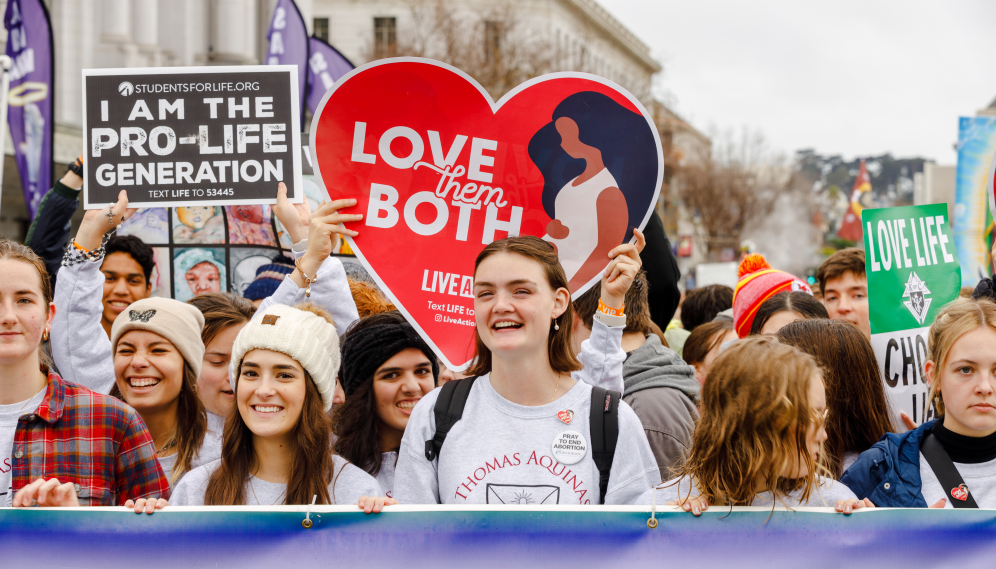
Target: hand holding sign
440	170
295	217
323	231
619	275
97	222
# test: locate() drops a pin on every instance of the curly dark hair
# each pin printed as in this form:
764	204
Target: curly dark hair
136	249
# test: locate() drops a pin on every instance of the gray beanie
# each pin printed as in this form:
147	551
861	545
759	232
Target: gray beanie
178	322
304	336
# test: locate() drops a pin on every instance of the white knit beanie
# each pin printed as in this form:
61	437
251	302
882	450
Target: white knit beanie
304	336
178	322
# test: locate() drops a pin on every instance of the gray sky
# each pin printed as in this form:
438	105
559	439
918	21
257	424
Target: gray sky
842	77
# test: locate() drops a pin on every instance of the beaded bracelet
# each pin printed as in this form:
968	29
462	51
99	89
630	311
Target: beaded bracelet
75	253
307	281
606	309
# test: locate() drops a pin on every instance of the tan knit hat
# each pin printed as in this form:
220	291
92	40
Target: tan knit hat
178	322
304	336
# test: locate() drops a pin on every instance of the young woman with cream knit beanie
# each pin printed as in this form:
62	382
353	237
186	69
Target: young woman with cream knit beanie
277	447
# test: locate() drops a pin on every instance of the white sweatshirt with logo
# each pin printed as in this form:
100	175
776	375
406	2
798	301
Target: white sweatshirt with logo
502	453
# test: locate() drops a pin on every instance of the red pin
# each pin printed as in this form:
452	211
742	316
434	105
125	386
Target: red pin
566	416
960	493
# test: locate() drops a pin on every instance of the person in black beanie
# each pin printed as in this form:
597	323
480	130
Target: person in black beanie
386	370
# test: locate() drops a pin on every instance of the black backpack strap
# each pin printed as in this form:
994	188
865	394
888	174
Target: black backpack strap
604	423
946	472
448	410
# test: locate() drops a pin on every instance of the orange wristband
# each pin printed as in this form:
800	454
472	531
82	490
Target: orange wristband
606	309
80	247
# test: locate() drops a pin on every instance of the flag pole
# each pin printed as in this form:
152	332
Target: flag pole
5	64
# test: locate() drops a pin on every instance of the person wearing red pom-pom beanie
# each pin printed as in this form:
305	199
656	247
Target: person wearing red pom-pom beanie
759	282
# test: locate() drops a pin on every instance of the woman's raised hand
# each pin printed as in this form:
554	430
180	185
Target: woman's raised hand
149	506
293	216
324	228
619	275
97	222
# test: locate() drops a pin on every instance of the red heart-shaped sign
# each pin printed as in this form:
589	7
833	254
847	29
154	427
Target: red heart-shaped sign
960	493
439	171
566	416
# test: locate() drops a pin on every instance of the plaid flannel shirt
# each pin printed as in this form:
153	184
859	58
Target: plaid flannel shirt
93	440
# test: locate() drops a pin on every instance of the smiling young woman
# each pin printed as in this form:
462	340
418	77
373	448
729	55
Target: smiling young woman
524	436
153	358
277	446
65	445
951	461
158	355
387	368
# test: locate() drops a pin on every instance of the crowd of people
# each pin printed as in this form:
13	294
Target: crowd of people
317	390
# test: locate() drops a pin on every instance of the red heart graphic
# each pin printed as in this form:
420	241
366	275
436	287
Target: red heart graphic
566	416
557	229
439	171
960	493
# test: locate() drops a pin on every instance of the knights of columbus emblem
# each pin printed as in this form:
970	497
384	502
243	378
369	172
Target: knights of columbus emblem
917	303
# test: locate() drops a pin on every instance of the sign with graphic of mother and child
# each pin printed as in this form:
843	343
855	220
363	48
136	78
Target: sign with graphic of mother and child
440	170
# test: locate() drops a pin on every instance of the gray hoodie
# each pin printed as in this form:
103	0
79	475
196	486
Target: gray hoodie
662	390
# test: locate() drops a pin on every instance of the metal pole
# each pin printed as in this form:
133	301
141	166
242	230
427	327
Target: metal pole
5	63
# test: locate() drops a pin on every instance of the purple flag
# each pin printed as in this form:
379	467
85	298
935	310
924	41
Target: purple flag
30	112
288	38
325	66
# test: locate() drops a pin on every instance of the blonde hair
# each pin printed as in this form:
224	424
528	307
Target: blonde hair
958	318
755	416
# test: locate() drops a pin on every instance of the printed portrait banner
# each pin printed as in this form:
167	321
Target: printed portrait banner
201	249
30	99
439	171
578	537
913	272
179	136
973	220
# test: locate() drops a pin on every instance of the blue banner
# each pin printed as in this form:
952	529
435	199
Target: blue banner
325	66
30	113
288	37
414	537
972	223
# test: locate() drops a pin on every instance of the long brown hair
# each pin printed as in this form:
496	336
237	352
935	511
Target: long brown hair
755	416
221	310
956	319
559	351
355	422
191	422
312	467
859	411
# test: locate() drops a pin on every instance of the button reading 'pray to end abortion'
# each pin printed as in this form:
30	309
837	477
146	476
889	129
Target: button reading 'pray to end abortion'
569	447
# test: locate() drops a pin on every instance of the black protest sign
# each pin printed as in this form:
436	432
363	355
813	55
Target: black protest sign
180	136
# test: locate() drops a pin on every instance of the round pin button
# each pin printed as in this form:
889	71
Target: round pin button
569	447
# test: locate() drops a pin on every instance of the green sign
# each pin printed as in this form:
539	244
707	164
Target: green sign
913	272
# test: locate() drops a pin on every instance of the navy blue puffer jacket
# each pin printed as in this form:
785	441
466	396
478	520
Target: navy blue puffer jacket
888	473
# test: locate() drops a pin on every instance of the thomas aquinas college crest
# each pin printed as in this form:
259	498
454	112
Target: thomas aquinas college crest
918	303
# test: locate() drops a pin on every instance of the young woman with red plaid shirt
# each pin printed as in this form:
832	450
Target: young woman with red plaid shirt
60	444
